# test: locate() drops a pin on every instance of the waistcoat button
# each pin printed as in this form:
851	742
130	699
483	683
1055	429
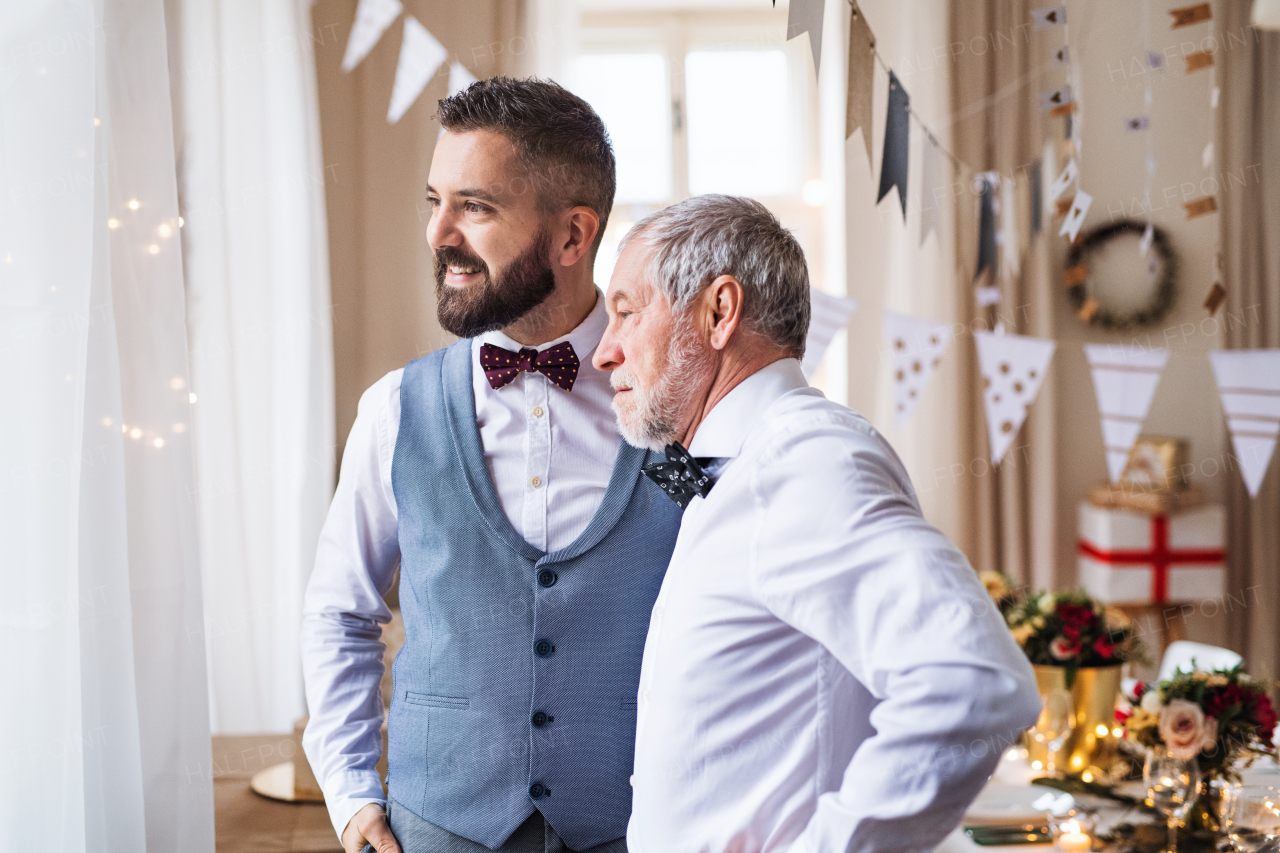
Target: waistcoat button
540	719
543	648
546	577
537	790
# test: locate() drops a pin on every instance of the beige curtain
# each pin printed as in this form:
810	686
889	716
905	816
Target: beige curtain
997	126
1249	222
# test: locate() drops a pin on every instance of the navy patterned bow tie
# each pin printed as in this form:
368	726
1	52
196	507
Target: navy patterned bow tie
558	363
681	477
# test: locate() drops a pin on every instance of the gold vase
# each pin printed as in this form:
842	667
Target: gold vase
1093	695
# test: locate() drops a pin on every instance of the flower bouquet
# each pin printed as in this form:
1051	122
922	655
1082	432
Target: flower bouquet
1075	645
1072	631
1222	718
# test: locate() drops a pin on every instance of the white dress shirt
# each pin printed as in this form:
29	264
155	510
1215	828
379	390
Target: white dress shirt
550	453
823	670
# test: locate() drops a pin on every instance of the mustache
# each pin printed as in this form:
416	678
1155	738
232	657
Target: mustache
621	378
450	256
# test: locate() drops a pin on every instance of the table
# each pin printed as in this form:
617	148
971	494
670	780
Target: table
247	823
1013	773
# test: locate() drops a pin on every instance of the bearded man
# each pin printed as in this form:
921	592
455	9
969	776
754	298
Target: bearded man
529	546
823	670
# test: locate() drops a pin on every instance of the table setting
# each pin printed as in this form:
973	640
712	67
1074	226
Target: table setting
1183	764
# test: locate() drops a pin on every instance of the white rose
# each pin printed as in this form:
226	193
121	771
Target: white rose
1151	702
1184	729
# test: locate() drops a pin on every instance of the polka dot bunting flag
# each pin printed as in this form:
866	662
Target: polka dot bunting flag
1013	368
915	349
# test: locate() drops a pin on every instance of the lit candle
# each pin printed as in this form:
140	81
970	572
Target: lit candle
1072	840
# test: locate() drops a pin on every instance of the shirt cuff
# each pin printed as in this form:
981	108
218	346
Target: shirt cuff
348	793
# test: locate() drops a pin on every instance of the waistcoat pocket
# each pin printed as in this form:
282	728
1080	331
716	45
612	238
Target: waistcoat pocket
436	701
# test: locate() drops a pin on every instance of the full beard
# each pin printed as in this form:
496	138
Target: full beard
499	300
652	419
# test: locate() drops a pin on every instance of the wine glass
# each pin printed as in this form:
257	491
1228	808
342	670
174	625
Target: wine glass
1053	727
1172	784
1253	817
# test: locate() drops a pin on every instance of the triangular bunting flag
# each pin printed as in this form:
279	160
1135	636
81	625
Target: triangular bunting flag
1049	16
459	78
986	224
1249	384
862	72
915	348
1010	256
1060	183
1013	367
420	55
931	182
1075	216
897	135
828	315
372	19
1124	380
805	16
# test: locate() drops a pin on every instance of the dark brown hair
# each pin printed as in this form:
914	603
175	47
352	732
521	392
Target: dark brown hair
562	142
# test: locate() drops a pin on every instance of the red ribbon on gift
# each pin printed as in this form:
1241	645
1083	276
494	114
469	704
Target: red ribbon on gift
1160	557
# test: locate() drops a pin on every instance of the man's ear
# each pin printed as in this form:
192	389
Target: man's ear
722	310
578	228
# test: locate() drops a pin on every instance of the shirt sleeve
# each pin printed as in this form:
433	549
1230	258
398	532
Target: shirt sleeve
844	556
357	559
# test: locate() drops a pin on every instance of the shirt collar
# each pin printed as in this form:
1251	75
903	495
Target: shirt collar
726	427
585	337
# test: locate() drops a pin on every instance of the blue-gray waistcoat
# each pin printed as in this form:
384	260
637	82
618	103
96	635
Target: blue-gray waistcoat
516	686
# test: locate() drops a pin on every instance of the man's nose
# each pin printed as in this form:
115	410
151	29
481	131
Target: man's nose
442	229
609	352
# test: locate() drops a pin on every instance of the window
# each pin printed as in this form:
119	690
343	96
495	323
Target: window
700	102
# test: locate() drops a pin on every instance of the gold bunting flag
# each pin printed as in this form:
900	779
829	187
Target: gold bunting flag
1078	274
1196	61
862	68
1188	15
1216	295
1200	207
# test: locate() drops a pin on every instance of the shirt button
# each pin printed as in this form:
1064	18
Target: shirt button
540	719
546	577
535	482
644	694
537	790
537	411
543	648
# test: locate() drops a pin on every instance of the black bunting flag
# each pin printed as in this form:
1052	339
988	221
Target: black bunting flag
1037	197
897	134
987	227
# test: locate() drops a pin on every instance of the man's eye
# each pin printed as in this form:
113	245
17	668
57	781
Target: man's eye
622	315
433	201
472	207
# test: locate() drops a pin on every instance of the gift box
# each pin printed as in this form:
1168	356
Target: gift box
1128	557
1121	496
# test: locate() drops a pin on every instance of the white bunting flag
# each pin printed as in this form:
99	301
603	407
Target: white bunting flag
1010	250
421	54
1060	183
459	78
372	19
1124	380
915	348
1055	98
1013	367
1075	217
1148	235
1249	384
1206	156
986	296
1049	16
828	315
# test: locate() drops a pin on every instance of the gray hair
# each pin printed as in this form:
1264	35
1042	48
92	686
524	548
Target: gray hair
708	236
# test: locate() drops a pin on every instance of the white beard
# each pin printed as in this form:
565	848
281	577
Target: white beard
653	417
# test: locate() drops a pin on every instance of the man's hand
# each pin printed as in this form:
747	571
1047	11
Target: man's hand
369	826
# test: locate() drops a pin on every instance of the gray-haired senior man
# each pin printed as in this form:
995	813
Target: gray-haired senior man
823	670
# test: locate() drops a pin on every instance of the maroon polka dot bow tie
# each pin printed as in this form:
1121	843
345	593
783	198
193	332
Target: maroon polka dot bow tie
558	363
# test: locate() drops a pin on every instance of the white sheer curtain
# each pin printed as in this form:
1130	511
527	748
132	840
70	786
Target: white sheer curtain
104	731
253	182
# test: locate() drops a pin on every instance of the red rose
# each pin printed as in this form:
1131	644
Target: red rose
1076	615
1103	648
1224	699
1138	690
1123	714
1070	632
1265	716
